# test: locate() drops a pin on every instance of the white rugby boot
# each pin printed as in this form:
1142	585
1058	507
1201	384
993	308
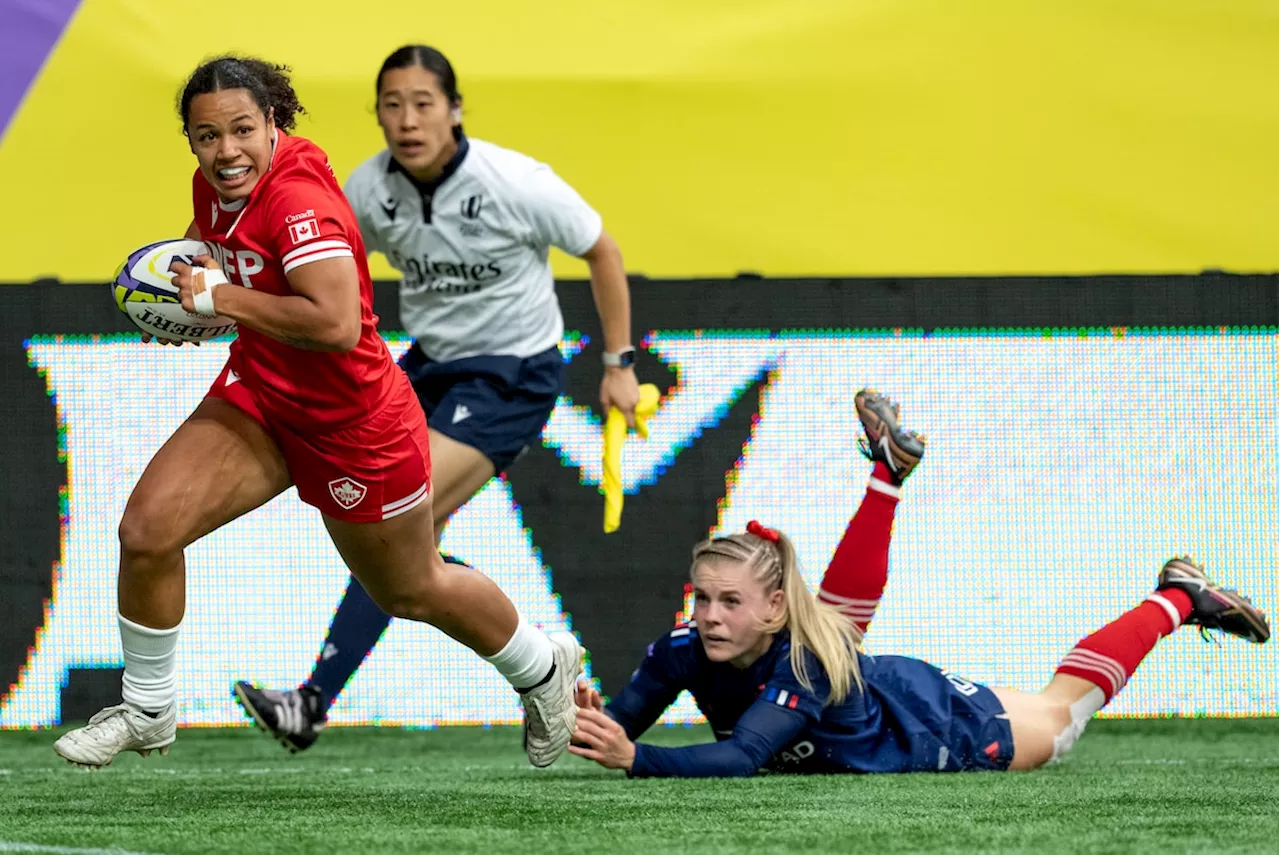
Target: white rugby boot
115	729
550	714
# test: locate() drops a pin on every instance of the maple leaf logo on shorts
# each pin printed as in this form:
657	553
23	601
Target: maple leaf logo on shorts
347	492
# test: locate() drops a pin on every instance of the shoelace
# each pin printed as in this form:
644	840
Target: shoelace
1211	635
103	716
111	720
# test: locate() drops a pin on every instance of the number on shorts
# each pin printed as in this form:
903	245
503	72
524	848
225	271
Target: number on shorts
962	685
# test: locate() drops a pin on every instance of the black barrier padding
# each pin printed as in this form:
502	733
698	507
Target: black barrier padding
1204	300
29	510
623	589
88	690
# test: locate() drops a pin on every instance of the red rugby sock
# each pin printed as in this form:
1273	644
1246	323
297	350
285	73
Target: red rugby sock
858	571
1109	657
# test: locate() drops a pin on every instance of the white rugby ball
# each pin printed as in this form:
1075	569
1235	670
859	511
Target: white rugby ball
144	290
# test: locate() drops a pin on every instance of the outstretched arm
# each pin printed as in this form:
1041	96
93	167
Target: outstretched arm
763	731
654	686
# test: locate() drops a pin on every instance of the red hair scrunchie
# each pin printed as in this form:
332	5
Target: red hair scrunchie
754	527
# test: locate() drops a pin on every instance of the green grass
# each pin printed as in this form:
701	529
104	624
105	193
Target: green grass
1162	786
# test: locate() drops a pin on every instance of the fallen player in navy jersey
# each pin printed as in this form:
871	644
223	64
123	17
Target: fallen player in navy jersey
778	674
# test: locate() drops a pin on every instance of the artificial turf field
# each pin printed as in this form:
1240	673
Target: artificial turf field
1161	786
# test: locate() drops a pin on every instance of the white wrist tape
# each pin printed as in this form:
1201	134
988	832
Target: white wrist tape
203	281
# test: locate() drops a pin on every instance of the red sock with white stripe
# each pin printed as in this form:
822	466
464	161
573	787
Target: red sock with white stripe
1109	657
856	576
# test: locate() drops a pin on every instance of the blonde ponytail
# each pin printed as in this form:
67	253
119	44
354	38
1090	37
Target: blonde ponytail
815	626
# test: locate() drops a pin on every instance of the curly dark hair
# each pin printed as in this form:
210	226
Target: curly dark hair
267	82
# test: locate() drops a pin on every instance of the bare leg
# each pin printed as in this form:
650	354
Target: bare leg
1048	723
1035	719
458	471
219	465
397	563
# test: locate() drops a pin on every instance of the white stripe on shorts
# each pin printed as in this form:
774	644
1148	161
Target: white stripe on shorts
408	503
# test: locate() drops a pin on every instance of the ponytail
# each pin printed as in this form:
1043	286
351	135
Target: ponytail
816	628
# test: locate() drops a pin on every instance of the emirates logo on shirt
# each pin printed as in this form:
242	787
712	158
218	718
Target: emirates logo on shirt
347	492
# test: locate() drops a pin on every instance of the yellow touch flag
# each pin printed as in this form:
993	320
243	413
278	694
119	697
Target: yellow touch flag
615	432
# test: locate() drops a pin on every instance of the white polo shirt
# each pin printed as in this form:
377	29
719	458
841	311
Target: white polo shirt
472	247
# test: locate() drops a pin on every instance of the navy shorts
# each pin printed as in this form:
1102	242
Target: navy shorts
981	737
495	404
945	723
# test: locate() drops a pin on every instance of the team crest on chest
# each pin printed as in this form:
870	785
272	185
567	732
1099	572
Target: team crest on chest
470	209
347	492
472	206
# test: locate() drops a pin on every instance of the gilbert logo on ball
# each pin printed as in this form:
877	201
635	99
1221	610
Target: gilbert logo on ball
143	289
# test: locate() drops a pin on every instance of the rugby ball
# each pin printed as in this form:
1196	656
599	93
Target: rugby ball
143	289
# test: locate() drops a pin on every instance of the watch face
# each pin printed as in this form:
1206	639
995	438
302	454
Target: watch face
627	358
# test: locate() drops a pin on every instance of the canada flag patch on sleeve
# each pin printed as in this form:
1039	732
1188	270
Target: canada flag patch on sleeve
303	227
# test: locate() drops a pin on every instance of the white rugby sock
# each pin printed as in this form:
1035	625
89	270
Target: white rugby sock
526	659
150	669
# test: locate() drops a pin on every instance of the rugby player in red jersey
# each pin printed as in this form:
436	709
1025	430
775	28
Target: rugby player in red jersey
311	397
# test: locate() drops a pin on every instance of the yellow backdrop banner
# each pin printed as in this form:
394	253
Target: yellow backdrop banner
785	137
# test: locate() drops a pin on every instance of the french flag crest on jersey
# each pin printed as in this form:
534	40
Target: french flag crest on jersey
782	698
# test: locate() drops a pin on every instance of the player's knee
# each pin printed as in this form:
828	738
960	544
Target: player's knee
406	599
409	604
421	598
1070	720
406	609
145	532
1064	739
